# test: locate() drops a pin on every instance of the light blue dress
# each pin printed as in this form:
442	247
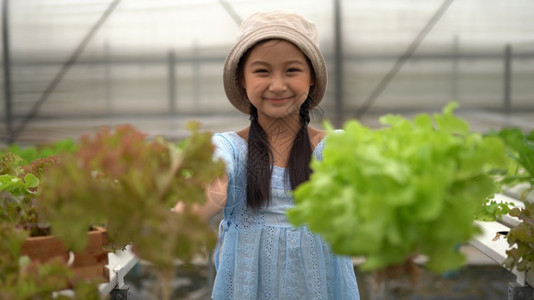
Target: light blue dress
261	255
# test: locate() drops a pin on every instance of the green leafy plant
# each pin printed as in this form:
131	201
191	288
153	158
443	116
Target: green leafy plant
34	153
492	210
21	278
410	188
117	179
520	148
127	184
120	180
18	191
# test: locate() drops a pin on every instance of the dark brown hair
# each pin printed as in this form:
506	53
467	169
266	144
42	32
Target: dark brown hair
260	159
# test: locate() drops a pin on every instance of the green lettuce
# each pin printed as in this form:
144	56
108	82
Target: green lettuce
410	188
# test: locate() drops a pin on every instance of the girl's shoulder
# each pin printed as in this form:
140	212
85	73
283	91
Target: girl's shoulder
230	141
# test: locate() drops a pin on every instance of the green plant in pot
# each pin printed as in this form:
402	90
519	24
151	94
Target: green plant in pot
408	189
21	169
126	183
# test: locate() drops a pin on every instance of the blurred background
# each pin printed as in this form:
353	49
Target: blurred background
71	66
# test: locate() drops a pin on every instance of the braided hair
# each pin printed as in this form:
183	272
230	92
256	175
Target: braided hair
260	158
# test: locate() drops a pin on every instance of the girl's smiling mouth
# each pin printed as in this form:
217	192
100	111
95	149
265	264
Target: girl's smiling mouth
278	100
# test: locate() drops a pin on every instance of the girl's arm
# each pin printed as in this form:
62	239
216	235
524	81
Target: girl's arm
215	200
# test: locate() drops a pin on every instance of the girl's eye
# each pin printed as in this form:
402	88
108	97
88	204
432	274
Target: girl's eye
292	70
260	71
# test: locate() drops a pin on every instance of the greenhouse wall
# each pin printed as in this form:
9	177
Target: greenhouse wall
78	65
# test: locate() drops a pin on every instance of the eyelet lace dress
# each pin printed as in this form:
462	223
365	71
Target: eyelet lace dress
260	254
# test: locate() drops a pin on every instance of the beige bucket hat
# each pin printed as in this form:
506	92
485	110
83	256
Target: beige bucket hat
274	25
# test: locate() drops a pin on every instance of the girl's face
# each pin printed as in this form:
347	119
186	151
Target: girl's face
277	78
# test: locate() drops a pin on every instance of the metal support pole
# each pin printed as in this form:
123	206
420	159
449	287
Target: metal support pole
338	63
455	54
196	79
7	72
507	78
172	83
107	76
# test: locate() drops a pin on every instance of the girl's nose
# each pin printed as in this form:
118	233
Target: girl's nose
277	84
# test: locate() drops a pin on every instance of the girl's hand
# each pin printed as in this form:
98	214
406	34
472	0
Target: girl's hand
215	200
179	207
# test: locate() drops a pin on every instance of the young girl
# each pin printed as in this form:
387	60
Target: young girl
276	74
